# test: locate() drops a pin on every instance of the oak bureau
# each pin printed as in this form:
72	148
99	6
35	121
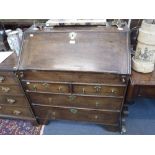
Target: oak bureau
76	73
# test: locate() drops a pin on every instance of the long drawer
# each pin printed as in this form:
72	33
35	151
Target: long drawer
8	78
76	114
14	100
15	111
77	101
84	77
10	89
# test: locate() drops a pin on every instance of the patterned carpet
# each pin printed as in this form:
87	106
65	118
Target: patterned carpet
18	127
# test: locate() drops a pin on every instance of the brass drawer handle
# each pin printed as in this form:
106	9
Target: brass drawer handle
17	112
98	88
1	79
113	91
5	89
83	90
45	85
74	111
96	117
71	97
97	104
60	89
11	101
123	79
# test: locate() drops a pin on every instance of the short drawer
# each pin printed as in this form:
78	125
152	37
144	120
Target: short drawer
47	87
76	114
12	100
15	111
8	78
10	89
82	77
99	90
76	101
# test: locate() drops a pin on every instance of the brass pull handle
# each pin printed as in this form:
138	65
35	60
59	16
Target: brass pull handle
97	104
74	111
123	79
1	79
83	90
96	117
16	112
60	89
114	91
5	89
10	100
45	85
98	89
71	97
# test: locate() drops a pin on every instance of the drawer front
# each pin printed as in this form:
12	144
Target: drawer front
8	78
47	87
99	90
15	111
10	89
12	100
77	101
95	116
74	77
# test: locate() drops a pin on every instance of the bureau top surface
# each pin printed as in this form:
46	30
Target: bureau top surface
90	49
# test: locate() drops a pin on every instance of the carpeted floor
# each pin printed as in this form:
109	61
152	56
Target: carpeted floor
18	127
141	121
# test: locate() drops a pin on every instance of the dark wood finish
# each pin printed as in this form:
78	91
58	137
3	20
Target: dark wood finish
47	87
141	85
85	81
99	90
53	51
8	78
14	100
96	116
107	103
15	111
10	89
74	77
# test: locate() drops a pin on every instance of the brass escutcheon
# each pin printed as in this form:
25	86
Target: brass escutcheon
5	89
98	88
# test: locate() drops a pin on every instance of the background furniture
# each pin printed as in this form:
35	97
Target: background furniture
13	102
142	85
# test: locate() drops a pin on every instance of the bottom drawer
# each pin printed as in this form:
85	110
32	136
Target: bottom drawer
77	114
15	111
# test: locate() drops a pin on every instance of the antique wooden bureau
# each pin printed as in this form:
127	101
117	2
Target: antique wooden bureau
76	73
13	102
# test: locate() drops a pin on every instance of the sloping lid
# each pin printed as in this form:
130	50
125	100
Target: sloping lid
89	49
